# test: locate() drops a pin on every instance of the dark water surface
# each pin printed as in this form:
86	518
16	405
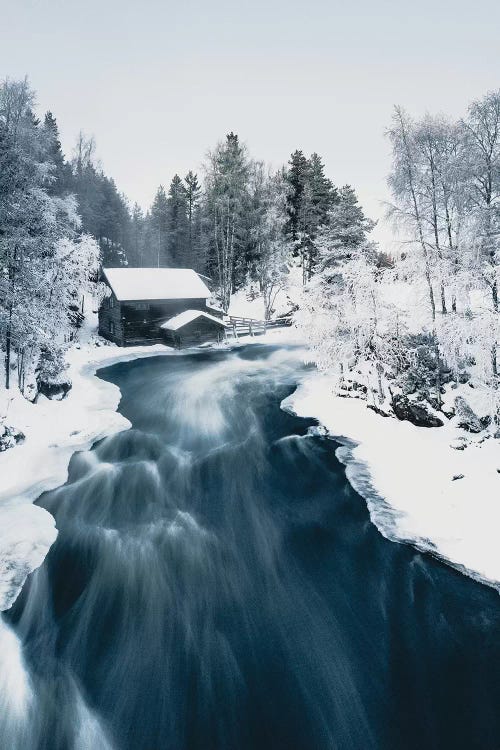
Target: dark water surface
217	585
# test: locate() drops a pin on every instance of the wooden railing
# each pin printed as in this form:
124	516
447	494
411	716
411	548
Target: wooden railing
252	326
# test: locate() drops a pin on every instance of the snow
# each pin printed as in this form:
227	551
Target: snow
249	303
406	474
134	284
178	321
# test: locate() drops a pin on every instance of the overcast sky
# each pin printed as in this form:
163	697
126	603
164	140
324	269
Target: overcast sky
158	83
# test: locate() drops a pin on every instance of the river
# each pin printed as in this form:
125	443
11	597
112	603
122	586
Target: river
218	585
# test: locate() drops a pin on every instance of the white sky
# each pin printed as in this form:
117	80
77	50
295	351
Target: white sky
158	83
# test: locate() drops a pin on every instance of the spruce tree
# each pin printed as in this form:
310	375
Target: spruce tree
137	231
178	229
61	176
323	194
159	226
193	198
227	184
297	177
310	196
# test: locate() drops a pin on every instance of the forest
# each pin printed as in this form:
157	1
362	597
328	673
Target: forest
388	325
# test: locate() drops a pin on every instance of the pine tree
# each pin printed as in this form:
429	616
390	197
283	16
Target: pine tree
251	232
61	177
193	198
297	176
323	194
227	183
160	226
104	211
347	225
114	229
178	229
311	194
137	232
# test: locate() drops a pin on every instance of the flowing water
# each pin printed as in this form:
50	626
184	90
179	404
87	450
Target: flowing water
217	585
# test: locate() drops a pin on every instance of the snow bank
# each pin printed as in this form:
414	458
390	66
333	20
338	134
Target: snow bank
54	431
406	475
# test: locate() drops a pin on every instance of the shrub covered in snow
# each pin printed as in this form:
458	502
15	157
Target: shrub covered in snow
9	437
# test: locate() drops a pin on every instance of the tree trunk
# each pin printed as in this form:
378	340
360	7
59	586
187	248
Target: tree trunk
435	227
494	364
443	300
438	370
7	357
418	219
381	394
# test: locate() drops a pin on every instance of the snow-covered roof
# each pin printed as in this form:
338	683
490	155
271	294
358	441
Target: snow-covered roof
178	321
133	284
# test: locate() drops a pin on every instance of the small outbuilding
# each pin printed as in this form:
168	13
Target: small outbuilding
193	327
142	300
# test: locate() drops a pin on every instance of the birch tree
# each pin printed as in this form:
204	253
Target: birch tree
482	128
274	248
403	181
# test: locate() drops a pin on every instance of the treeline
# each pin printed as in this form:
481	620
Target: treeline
47	262
61	218
238	223
433	316
221	224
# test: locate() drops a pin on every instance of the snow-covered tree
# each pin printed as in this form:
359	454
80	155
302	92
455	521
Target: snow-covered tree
482	132
44	265
309	197
274	248
227	173
341	306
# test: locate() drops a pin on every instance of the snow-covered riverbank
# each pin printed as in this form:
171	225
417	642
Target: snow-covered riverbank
54	430
406	475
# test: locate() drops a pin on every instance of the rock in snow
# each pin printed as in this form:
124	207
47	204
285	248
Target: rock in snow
417	414
467	418
9	437
54	391
459	444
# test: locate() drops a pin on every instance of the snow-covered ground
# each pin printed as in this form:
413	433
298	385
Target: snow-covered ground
406	475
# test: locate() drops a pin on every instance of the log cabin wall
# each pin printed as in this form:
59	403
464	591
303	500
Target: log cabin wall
141	320
196	332
110	320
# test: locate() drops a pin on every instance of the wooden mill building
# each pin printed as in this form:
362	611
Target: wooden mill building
154	305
